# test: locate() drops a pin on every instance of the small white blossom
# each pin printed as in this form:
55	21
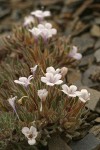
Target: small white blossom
73	53
52	70
44	30
24	81
42	94
12	103
70	91
83	95
33	69
31	134
35	32
28	20
51	79
47	31
41	14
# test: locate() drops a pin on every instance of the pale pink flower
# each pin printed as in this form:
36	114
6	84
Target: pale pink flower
52	70
42	94
35	32
47	31
41	14
31	134
24	81
28	20
51	79
12	103
33	69
73	53
83	95
70	91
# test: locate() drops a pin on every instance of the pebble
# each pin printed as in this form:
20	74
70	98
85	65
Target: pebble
4	12
89	142
97	120
87	74
56	143
95	31
97	55
96	131
84	42
97	45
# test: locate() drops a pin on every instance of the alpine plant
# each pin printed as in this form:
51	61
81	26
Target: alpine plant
43	101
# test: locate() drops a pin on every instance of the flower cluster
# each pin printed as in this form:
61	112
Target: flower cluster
71	91
52	77
41	14
44	30
44	98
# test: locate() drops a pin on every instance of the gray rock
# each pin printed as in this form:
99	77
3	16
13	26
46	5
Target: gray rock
97	120
89	142
97	44
97	55
86	80
95	31
16	15
86	60
4	12
96	131
84	42
97	20
56	143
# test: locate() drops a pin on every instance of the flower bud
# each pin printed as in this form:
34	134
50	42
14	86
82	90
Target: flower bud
64	71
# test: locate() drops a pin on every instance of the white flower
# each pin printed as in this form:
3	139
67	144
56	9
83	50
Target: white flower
42	94
52	70
70	91
28	20
52	79
24	81
46	30
33	69
83	95
41	14
12	103
73	53
35	32
31	134
64	71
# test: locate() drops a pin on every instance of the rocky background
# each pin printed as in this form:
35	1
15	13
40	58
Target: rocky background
79	21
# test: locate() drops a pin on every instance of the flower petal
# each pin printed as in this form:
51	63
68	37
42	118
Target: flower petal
59	82
65	87
44	79
25	131
31	141
73	88
77	56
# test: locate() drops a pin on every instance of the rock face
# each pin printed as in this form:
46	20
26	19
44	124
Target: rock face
86	78
89	142
84	42
94	103
96	130
56	143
